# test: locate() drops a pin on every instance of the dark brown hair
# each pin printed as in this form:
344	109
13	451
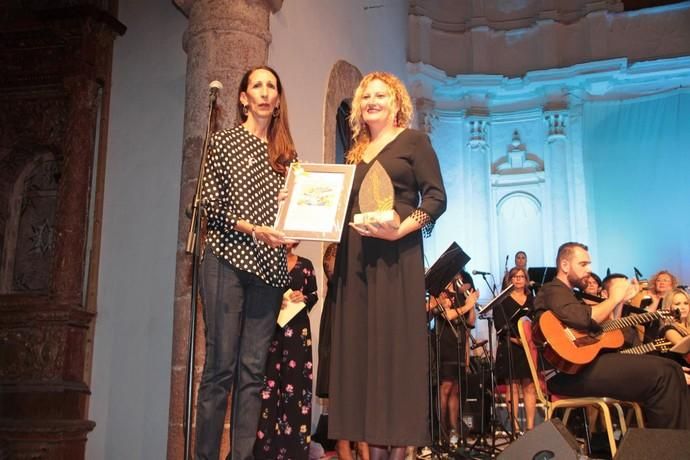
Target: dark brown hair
565	252
281	148
514	271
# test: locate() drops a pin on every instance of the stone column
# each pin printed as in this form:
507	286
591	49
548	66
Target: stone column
479	213
446	130
224	38
557	173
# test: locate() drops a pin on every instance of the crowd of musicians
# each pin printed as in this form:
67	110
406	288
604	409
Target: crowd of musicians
581	300
374	328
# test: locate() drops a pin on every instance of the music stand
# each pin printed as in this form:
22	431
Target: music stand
498	299
444	269
493	422
541	275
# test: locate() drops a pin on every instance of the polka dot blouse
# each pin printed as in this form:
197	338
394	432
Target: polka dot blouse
241	185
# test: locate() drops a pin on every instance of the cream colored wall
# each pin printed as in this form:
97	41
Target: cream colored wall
130	384
309	37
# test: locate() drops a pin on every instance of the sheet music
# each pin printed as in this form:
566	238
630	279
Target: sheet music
290	310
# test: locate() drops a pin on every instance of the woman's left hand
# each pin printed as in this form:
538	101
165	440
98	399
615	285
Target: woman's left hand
383	230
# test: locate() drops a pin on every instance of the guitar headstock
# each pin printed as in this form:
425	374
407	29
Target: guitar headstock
662	345
667	315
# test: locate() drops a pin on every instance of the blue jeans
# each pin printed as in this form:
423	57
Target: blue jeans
240	313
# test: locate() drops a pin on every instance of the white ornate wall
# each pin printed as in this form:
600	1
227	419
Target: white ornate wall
512	153
511	37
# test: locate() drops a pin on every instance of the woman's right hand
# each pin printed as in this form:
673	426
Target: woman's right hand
270	236
282	195
654	306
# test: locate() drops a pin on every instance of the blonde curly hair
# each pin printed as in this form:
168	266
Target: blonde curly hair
652	280
401	101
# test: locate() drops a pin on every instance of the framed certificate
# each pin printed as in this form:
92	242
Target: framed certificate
316	205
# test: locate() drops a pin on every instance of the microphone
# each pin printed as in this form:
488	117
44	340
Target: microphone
506	264
213	88
479	272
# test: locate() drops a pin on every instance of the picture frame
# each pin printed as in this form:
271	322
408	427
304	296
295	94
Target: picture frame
316	205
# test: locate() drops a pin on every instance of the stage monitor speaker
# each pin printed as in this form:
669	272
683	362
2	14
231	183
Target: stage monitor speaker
653	443
547	440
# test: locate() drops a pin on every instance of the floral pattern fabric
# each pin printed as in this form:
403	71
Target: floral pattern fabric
285	422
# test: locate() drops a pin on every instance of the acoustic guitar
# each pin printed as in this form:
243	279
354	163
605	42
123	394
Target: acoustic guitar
568	349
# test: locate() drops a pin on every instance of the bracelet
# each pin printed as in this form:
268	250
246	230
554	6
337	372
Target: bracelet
254	234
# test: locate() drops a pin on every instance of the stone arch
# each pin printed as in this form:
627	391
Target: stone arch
519	219
522	194
342	82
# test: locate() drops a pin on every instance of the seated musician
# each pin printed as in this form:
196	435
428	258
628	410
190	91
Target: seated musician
593	286
632	335
458	308
512	367
657	383
676	300
520	262
659	285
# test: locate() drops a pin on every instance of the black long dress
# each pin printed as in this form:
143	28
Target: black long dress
379	362
285	421
503	313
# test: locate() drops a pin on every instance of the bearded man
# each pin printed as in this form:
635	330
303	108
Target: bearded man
657	383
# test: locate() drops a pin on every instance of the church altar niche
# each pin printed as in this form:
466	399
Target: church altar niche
509	182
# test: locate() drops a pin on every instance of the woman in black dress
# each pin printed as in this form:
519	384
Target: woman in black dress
519	303
458	300
379	363
285	421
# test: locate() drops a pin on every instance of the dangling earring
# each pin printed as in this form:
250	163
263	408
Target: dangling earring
276	112
245	110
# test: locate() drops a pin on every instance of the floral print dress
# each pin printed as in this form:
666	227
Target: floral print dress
285	422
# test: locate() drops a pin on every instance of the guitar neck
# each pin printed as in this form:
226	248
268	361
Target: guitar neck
631	320
640	350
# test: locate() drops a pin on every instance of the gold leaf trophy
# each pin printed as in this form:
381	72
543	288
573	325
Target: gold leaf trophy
376	198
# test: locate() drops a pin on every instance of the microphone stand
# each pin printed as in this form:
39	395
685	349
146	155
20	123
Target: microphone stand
493	422
194	247
492	285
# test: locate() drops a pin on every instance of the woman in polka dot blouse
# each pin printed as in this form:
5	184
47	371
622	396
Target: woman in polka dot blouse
244	270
